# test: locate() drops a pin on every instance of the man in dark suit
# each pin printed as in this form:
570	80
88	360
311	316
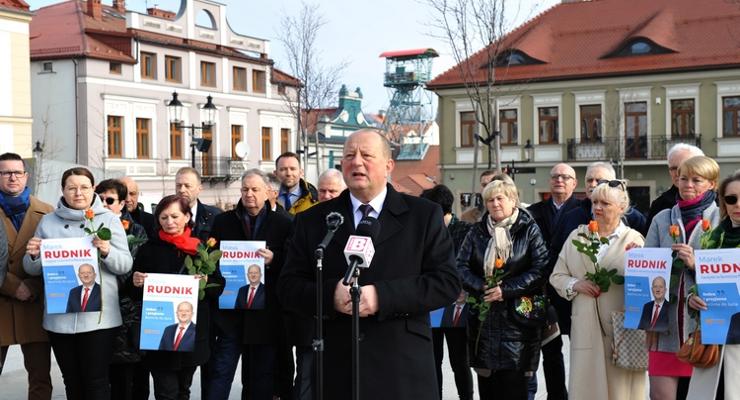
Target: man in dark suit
655	313
549	215
454	327
411	274
188	184
733	332
136	209
181	335
86	297
252	295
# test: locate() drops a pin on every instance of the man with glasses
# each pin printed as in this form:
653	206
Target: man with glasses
136	209
550	215
677	154
21	295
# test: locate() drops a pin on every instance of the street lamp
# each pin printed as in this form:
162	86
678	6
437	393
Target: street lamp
176	117
512	170
529	151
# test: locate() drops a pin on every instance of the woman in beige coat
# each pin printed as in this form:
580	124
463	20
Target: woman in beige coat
592	374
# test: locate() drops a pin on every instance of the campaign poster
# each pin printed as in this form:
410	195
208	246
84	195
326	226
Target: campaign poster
435	317
244	271
71	276
169	312
647	278
718	283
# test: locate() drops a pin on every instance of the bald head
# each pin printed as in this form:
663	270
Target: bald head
132	197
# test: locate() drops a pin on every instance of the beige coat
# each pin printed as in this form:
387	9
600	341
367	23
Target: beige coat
592	374
20	322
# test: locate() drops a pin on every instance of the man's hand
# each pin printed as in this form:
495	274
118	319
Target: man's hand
23	293
342	299
368	300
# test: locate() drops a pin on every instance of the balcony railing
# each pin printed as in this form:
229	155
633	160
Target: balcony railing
630	148
214	168
211	168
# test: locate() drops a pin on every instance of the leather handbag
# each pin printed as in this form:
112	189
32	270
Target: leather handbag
629	350
698	354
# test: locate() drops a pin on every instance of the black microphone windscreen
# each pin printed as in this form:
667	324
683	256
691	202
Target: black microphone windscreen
369	227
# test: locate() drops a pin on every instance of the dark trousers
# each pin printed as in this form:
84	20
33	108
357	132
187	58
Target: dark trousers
503	384
37	361
258	371
554	368
129	381
84	359
457	347
222	365
172	384
305	376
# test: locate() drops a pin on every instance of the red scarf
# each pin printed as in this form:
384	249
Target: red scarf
184	242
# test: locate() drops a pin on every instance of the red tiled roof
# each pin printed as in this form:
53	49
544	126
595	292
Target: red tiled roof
279	76
577	40
311	119
14	5
415	176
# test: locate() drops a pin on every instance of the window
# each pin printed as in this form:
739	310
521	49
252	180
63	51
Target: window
142	137
284	138
731	116
467	128
266	144
47	67
514	57
240	79
258	81
591	123
148	65
207	74
173	69
115	68
635	133
682	118
281	89
115	136
640	47
509	127
175	142
548	125
206	157
236	137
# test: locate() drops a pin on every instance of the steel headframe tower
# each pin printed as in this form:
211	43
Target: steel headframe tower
406	75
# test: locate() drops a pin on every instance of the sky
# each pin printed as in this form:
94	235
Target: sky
356	32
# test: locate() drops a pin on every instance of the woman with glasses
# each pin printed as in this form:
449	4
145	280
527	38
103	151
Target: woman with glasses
592	372
697	180
712	382
83	342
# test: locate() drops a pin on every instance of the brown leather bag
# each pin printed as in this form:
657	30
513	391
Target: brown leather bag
698	354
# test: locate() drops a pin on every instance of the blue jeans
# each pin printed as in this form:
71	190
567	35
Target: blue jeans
224	360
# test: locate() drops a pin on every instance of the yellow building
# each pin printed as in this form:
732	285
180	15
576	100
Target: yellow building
15	81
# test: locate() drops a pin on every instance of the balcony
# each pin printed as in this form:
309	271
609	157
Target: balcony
220	168
211	168
631	148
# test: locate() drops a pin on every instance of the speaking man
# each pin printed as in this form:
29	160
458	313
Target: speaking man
655	313
252	295
181	335
411	274
85	297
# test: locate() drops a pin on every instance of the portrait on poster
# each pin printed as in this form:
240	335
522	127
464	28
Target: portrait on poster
243	268
718	284
169	312
646	287
71	276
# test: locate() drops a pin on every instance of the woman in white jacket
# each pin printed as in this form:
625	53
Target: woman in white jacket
83	341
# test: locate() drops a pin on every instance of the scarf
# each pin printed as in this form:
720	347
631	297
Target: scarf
15	207
692	210
500	244
724	236
184	242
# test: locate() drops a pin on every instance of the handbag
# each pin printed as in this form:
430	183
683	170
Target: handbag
698	354
629	350
530	311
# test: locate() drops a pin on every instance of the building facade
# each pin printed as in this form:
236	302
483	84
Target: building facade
581	88
15	83
103	76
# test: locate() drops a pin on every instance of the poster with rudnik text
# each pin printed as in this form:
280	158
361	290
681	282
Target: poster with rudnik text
243	268
169	312
71	276
647	282
718	283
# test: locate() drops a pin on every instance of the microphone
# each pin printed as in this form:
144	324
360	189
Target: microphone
333	221
359	250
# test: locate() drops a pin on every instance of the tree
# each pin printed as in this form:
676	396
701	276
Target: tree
467	26
299	35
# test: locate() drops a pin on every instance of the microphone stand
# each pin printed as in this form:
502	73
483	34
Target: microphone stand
354	292
318	342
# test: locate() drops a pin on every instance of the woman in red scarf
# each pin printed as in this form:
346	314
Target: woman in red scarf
173	371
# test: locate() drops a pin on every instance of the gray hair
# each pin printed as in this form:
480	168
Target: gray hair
693	150
257	172
332	173
603	165
507	188
274	181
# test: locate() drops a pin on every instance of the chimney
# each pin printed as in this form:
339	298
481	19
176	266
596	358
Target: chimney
95	9
158	12
119	5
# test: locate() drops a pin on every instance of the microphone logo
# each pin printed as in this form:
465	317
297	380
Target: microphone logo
357	243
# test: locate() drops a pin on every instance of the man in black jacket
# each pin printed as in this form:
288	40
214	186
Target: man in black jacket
677	154
136	209
252	334
412	273
188	184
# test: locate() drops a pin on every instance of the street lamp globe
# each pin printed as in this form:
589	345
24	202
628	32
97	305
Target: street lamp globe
210	109
176	109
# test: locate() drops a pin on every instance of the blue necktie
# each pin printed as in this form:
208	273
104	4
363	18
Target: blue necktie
286	200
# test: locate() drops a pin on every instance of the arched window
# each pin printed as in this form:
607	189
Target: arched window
640	47
205	19
514	57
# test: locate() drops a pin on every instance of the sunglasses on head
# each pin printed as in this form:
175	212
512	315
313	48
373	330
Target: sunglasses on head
613	183
108	200
731	199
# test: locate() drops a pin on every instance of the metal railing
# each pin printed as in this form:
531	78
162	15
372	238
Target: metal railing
629	148
220	167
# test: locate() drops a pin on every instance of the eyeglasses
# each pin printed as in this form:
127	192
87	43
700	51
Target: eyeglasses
83	189
613	183
564	177
731	199
108	200
15	174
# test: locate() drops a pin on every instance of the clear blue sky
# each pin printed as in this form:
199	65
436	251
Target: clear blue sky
356	32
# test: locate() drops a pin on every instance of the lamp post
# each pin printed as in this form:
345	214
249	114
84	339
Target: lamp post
528	152
176	112
37	152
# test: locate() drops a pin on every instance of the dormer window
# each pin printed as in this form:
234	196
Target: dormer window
640	47
508	58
